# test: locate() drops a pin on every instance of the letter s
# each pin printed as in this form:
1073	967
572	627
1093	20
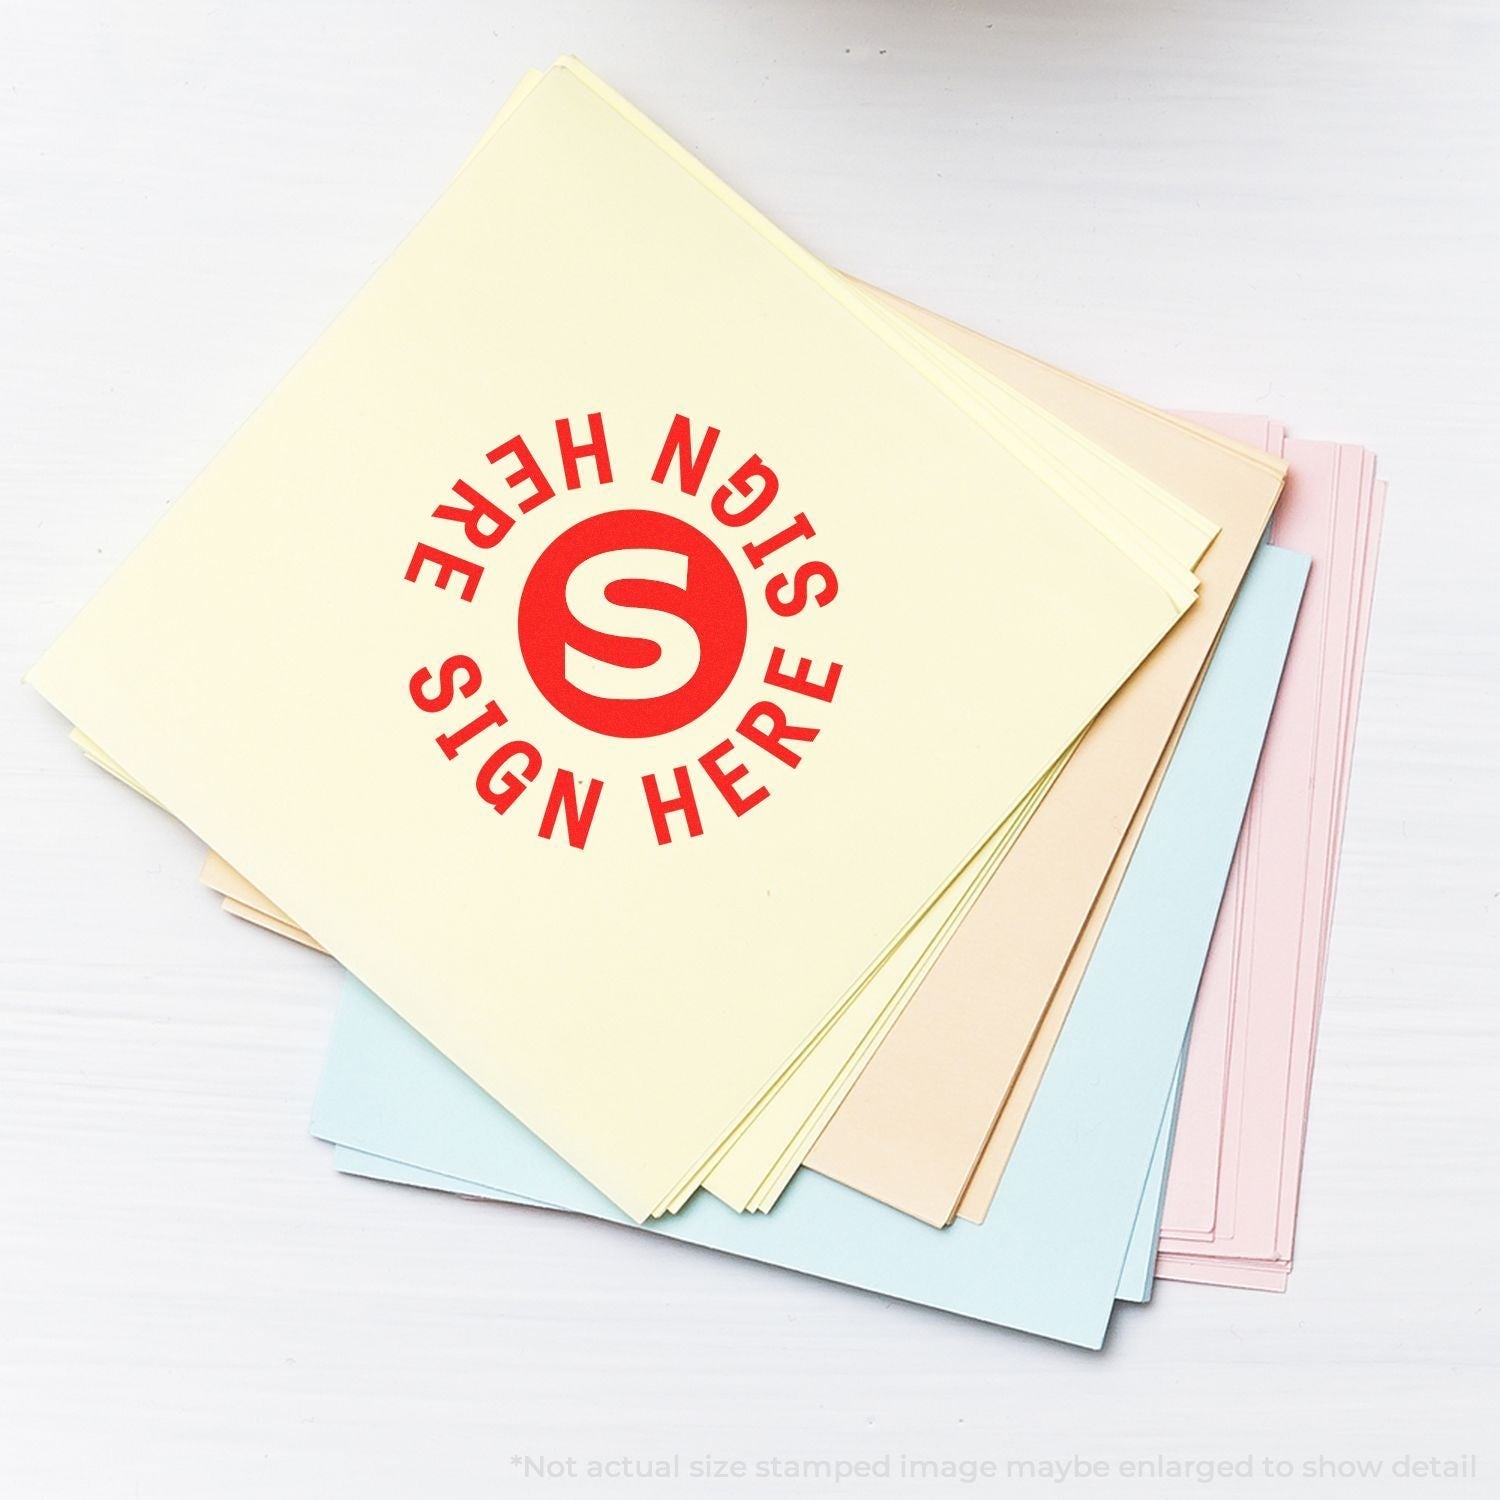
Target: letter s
587	599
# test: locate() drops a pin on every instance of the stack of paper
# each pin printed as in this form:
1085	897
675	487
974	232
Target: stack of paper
1232	1188
736	721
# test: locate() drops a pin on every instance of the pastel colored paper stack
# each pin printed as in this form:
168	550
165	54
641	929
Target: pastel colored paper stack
770	759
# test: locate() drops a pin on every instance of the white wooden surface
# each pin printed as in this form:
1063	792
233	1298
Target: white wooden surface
1275	206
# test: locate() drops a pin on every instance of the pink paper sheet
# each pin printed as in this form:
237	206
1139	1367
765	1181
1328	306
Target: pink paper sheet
1236	1167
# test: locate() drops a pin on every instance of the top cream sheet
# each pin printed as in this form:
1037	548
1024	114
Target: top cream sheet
326	723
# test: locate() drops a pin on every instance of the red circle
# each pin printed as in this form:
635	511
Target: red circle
688	579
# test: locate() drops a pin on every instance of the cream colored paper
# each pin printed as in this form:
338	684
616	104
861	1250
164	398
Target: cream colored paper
914	1127
1163	533
753	1165
1154	525
630	1003
916	1123
258	918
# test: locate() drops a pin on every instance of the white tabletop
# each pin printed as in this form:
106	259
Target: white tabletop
1284	207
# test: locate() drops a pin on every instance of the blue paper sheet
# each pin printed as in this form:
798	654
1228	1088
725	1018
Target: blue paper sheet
1051	1253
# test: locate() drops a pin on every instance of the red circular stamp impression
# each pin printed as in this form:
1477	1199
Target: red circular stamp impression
632	623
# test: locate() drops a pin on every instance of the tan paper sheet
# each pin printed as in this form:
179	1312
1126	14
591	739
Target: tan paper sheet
913	1126
980	1190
